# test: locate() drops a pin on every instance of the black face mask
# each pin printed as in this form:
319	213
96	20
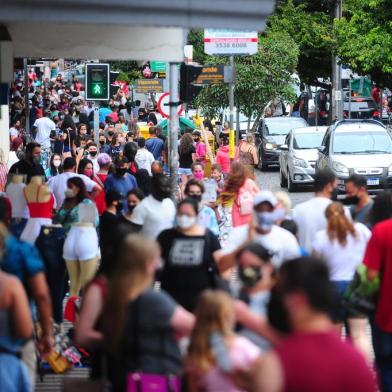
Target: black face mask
120	171
131	207
93	153
110	133
249	276
196	197
350	200
277	313
102	142
334	194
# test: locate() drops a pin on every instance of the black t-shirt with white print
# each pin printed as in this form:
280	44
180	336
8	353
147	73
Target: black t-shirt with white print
186	264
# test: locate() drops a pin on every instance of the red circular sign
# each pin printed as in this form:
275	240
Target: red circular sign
165	109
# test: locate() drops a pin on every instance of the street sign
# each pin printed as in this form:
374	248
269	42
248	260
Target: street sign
149	86
213	74
230	42
97	82
163	106
158	66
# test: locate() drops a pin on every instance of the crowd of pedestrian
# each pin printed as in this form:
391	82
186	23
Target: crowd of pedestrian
224	288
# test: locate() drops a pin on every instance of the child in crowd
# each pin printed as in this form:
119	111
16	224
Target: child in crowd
216	174
215	351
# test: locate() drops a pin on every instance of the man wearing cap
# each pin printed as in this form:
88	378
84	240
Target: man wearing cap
201	149
41	130
262	230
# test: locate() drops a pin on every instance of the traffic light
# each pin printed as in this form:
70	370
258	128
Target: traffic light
188	74
97	82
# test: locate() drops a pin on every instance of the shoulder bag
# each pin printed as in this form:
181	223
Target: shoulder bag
147	382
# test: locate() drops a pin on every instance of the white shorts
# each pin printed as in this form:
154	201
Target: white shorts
81	244
33	227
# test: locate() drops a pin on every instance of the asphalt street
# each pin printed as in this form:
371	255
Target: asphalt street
269	180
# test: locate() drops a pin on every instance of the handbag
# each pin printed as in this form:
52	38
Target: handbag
360	298
68	154
245	201
147	382
58	362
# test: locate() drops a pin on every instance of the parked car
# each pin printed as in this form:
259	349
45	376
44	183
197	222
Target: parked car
298	156
271	135
358	147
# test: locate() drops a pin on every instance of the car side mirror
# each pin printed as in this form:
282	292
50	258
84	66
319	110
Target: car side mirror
321	149
284	147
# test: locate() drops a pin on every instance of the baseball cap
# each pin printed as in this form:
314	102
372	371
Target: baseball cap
265	197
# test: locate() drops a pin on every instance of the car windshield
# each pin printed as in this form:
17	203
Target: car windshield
306	141
362	143
284	126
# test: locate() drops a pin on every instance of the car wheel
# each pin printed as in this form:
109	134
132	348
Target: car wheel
261	165
291	187
283	179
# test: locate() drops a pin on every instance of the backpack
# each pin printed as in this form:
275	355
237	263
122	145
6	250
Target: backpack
245	201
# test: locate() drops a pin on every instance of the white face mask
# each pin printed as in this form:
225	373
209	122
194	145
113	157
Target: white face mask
185	221
69	193
56	162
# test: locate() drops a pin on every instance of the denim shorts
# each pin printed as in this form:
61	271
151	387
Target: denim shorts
340	313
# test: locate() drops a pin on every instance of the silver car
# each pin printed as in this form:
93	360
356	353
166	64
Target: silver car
299	155
361	147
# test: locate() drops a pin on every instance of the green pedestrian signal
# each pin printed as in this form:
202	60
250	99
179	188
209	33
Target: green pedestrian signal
97	82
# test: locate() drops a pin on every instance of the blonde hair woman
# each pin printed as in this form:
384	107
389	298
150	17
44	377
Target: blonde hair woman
214	348
136	339
342	245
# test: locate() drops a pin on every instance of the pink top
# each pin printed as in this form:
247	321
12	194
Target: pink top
38	209
242	354
223	158
201	151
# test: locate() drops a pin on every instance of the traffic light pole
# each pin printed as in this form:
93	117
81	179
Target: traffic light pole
96	123
173	127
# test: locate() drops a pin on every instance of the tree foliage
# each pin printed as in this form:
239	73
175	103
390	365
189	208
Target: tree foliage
129	70
310	24
364	38
260	78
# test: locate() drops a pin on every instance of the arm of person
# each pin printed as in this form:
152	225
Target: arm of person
40	293
249	319
182	321
85	333
374	255
92	187
255	157
138	215
267	374
22	323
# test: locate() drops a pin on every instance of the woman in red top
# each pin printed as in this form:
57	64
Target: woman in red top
86	167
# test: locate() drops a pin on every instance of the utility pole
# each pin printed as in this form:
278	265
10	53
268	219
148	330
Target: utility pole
26	99
337	93
173	127
231	97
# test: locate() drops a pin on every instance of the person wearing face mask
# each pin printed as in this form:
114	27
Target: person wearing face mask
55	166
190	253
156	212
256	278
79	218
134	197
201	149
121	181
92	155
86	168
197	171
358	198
207	216
313	356
104	148
310	215
30	164
262	230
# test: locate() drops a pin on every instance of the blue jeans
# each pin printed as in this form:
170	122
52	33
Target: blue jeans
340	314
17	225
382	344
